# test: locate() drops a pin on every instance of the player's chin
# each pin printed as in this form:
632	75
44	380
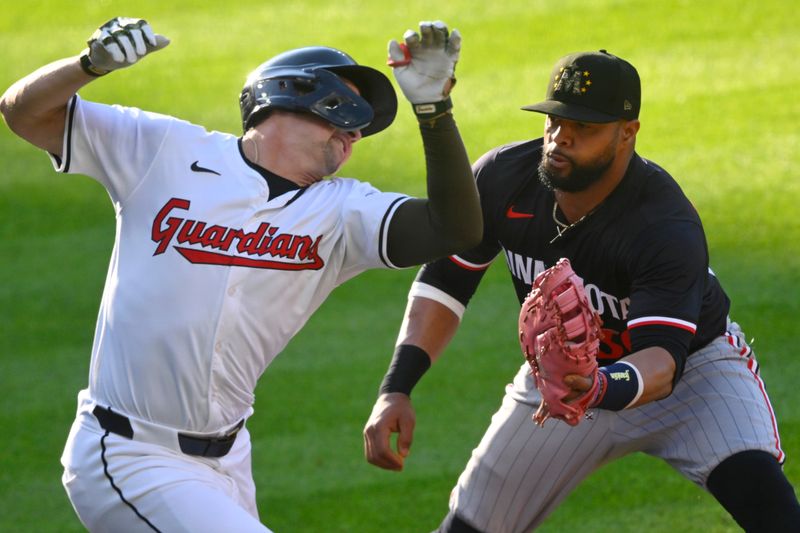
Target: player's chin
331	165
335	165
338	154
552	178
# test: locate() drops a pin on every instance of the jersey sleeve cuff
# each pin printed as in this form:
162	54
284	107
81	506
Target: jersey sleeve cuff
423	290
62	164
383	238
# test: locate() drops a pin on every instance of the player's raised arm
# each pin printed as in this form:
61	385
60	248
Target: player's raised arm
35	107
450	220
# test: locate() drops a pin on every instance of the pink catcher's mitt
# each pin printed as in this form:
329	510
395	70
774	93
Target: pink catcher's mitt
560	334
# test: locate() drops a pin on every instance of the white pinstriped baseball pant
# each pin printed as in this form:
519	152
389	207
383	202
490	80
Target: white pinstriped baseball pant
520	472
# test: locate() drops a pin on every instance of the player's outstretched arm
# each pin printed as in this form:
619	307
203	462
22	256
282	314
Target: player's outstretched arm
35	107
449	221
427	329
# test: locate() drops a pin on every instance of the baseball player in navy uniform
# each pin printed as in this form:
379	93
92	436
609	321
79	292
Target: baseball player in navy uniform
224	247
685	385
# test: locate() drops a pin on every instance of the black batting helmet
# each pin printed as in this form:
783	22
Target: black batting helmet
307	80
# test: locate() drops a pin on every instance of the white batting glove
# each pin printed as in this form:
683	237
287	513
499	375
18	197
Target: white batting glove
119	43
424	66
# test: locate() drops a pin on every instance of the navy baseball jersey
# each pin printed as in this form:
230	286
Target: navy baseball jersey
642	253
643	257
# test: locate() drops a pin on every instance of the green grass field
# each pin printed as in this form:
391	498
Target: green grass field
720	111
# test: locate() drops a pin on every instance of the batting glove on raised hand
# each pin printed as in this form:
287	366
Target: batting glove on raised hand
424	67
119	43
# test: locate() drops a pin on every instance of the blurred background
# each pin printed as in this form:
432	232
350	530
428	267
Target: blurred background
720	112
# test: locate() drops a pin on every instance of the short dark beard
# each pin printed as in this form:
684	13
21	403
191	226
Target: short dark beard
580	179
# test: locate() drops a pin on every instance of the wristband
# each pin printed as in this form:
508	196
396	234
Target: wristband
620	386
408	364
90	69
433	110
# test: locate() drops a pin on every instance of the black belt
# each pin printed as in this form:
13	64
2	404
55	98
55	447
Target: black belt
201	446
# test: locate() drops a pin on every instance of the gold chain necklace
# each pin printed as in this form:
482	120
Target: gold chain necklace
561	227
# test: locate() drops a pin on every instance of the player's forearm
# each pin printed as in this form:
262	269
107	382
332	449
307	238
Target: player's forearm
657	369
642	377
453	201
428	325
427	329
35	107
450	220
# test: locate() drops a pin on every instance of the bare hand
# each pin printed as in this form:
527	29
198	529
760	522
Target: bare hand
392	413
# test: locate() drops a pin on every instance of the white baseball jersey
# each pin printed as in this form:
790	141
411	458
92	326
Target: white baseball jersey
210	275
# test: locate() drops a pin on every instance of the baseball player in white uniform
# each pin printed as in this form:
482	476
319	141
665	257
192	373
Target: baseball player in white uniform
224	247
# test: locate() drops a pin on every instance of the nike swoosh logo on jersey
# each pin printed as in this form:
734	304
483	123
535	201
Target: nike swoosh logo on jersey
197	168
515	214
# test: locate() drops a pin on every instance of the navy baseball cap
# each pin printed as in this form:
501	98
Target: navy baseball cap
592	87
